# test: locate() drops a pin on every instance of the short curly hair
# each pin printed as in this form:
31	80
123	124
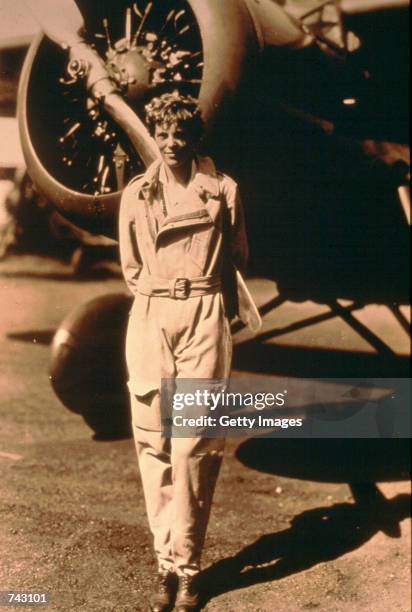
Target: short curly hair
172	108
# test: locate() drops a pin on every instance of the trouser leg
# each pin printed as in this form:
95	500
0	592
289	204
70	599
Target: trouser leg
195	468
154	458
179	477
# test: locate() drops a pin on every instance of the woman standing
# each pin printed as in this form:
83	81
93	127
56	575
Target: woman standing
181	224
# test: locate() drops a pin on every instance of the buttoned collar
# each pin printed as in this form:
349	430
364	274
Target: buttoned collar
205	181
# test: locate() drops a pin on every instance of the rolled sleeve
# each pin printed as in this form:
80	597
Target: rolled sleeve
129	253
238	239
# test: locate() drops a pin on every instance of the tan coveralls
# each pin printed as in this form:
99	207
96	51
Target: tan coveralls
161	243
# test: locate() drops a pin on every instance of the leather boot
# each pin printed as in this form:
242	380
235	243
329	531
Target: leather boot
162	598
187	598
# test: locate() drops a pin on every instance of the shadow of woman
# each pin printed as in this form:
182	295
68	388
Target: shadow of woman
314	536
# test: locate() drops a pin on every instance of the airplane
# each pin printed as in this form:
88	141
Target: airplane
21	206
304	102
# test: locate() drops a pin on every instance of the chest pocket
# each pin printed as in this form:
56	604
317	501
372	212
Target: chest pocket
201	244
197	228
205	238
184	224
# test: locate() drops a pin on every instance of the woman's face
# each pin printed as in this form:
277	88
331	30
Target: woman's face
175	144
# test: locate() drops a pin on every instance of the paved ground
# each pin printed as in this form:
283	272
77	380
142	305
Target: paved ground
73	520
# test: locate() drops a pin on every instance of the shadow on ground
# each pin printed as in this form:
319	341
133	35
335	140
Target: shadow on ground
314	536
320	534
329	460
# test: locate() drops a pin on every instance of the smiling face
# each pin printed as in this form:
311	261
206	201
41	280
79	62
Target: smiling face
175	144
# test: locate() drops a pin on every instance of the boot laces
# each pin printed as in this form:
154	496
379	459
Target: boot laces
163	583
186	582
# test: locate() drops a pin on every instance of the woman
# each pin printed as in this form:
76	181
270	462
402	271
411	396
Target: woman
181	228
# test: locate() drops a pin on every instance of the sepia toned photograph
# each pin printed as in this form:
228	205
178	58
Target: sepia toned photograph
205	387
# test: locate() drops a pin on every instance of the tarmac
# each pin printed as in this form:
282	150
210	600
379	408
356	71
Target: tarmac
295	533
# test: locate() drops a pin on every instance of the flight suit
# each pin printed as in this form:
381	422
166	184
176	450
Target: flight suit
173	257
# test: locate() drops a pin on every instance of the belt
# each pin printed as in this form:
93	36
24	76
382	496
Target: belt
179	288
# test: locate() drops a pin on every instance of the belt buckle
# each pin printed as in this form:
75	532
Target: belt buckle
181	288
